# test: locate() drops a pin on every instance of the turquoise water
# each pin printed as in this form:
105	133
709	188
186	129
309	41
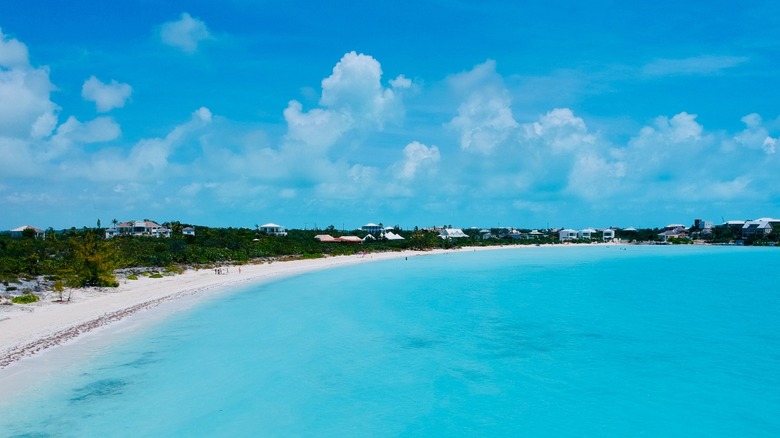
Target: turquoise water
576	341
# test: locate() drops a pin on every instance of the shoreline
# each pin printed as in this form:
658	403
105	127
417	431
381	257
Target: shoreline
29	330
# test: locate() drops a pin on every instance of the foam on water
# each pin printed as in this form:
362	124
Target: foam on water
584	341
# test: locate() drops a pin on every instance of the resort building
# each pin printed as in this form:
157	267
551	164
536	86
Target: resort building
608	235
757	228
188	231
18	232
678	232
586	233
327	238
452	233
534	234
389	235
372	228
138	228
567	234
273	229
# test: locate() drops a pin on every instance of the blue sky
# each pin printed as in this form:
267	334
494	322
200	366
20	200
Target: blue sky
527	114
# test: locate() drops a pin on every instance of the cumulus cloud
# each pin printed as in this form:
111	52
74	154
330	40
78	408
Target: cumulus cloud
756	135
105	96
185	34
355	88
697	65
417	158
146	159
352	98
484	119
560	131
13	54
102	129
25	106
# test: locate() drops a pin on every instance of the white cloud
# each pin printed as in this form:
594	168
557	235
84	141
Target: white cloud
105	96
102	129
352	98
417	157
185	34
401	82
13	54
697	65
560	131
756	135
485	118
25	106
355	88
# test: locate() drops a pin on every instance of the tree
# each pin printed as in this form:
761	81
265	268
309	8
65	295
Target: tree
94	262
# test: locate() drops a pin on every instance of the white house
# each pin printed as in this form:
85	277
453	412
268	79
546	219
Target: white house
452	233
534	234
372	228
273	229
188	231
586	233
139	228
608	235
17	232
567	234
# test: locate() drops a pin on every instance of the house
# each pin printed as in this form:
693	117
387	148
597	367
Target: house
452	233
567	234
756	229
372	228
608	235
273	229
18	232
586	233
188	231
673	233
138	228
534	234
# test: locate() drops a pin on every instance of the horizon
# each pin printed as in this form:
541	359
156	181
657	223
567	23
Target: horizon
547	116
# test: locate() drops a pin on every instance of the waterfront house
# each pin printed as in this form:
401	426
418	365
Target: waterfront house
608	235
756	229
586	233
567	234
678	232
452	233
273	229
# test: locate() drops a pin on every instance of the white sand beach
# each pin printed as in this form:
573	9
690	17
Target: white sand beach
26	330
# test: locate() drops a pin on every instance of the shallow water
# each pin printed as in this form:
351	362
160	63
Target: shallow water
576	341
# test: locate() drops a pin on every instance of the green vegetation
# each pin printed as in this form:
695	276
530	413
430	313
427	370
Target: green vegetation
156	275
25	299
81	257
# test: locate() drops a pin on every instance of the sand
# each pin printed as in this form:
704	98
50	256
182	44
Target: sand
26	330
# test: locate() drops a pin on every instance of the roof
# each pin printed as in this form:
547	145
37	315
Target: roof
588	230
629	229
270	225
567	230
392	236
27	227
370	225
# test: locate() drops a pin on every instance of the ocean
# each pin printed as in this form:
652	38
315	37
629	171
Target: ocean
541	341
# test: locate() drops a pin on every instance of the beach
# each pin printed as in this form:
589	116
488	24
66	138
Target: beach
26	330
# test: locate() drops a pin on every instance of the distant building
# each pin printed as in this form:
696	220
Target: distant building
188	231
452	233
567	234
756	229
273	229
17	232
673	233
608	235
372	228
586	233
138	228
389	235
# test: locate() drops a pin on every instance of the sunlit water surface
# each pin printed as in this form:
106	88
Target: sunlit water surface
576	341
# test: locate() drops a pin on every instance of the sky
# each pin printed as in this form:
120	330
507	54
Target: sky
410	113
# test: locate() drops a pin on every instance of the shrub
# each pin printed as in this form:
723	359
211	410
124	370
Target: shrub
156	275
132	277
10	288
25	299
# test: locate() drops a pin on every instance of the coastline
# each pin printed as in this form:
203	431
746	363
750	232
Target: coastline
28	330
